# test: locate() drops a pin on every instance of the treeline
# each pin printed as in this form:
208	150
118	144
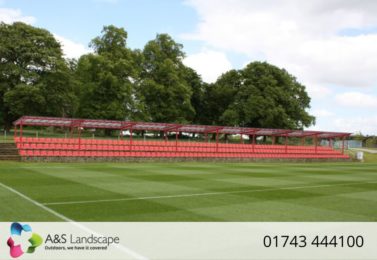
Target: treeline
149	84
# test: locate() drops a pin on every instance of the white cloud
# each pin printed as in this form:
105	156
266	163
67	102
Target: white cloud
301	36
8	15
309	39
322	113
356	100
70	48
316	91
365	125
209	64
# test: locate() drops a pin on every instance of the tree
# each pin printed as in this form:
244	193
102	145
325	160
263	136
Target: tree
219	96
197	87
366	140
152	84
107	77
262	95
112	42
163	85
34	78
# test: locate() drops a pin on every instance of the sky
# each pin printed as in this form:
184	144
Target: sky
330	46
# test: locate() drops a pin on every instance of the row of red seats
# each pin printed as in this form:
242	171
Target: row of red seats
161	146
56	153
103	148
72	141
28	146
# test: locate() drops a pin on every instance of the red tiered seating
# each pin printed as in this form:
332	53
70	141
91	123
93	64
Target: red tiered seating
56	147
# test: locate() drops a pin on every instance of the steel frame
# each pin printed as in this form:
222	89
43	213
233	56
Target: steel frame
79	124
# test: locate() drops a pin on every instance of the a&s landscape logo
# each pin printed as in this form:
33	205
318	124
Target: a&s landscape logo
17	231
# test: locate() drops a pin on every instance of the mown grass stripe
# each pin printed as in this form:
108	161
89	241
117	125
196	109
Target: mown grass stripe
204	194
36	203
128	251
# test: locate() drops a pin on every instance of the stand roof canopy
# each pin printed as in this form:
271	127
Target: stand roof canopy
168	127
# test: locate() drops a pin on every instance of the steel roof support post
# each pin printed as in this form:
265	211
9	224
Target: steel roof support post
176	141
253	143
241	138
217	140
286	143
121	134
330	143
273	140
21	126
71	132
131	139
79	132
343	144
316	143
121	140
206	136
302	141
165	136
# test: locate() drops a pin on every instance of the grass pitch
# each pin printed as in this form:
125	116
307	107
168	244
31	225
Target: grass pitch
188	192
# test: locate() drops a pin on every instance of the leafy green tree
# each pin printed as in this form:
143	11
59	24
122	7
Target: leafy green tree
262	95
116	82
163	84
34	78
23	99
198	87
107	77
219	96
59	89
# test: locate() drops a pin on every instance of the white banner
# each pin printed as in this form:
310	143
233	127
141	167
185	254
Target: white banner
185	240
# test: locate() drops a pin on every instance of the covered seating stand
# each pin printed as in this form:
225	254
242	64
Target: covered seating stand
72	147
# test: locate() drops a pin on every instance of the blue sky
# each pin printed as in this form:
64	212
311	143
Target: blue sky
330	46
83	20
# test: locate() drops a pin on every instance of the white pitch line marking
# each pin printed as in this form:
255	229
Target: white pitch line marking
62	217
202	194
36	203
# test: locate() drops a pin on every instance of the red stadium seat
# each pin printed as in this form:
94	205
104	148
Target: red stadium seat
55	147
